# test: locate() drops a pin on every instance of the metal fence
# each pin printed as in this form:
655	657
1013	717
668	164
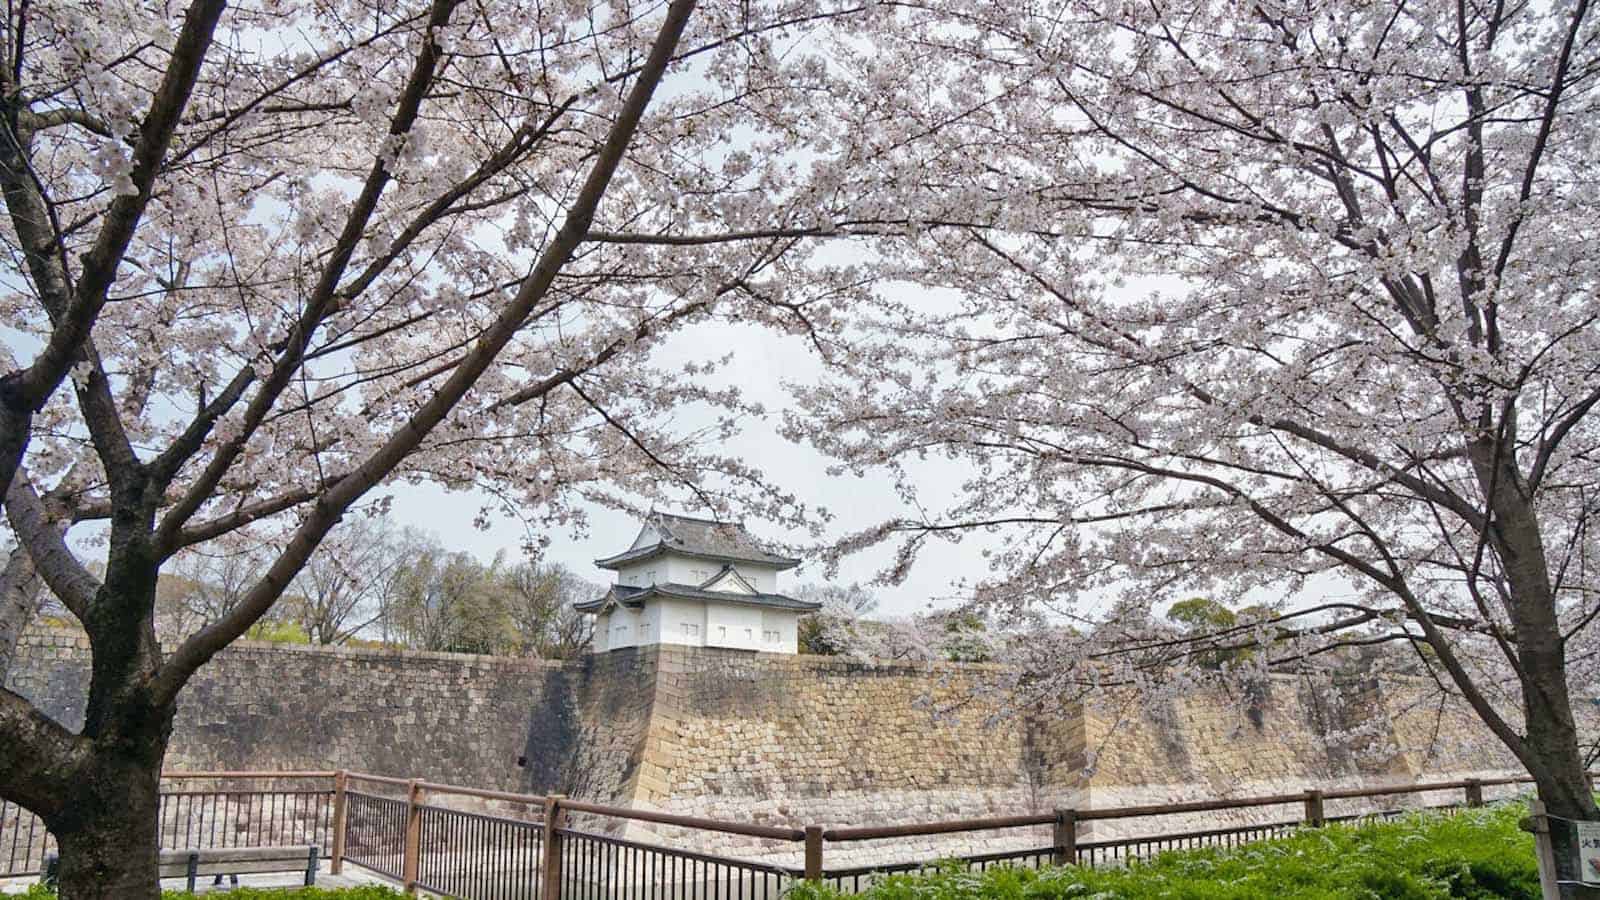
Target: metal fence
526	847
24	842
600	867
373	833
464	854
203	810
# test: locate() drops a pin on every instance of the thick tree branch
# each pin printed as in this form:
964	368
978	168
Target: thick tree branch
20	592
165	467
38	755
202	646
241	516
41	535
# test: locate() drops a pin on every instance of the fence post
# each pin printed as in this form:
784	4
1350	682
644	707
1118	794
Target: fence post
341	782
1314	813
555	818
1544	849
1474	792
409	862
1065	837
813	852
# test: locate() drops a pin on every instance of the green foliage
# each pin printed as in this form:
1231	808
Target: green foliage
278	631
1476	855
1201	614
363	892
964	632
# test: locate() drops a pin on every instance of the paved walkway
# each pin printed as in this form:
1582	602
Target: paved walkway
350	877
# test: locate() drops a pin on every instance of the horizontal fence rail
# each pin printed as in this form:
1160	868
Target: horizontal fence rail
512	846
200	818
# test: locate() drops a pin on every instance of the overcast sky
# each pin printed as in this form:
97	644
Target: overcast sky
763	360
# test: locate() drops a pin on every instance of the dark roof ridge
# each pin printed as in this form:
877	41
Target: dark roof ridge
669	515
701	538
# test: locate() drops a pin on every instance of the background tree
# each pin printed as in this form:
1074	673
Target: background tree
449	602
826	631
1296	298
539	602
1200	617
266	259
350	582
203	585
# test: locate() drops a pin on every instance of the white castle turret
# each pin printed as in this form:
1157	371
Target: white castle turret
700	583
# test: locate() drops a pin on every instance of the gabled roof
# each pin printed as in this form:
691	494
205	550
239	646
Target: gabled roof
635	597
728	580
697	538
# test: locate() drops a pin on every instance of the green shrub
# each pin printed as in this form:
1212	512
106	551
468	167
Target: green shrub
1474	855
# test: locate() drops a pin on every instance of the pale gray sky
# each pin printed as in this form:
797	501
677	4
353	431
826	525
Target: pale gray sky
763	361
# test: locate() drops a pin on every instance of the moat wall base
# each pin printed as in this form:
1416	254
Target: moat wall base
789	740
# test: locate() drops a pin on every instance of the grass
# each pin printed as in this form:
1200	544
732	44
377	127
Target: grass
1477	854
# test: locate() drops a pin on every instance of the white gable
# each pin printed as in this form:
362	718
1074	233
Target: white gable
648	536
730	581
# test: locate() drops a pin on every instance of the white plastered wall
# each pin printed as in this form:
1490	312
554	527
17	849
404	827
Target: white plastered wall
673	615
625	628
762	578
644	574
733	625
674	569
786	625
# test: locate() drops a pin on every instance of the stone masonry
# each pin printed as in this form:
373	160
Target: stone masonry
791	740
270	707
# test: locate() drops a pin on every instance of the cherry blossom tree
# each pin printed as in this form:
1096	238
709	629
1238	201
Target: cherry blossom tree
269	258
1252	301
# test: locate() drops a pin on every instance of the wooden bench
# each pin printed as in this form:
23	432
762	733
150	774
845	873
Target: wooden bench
236	861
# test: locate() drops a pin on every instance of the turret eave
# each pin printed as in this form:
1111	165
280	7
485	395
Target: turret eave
642	554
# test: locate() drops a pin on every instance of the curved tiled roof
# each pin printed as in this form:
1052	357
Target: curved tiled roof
701	539
636	596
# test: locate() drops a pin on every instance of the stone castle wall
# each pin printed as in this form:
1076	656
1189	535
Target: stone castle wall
273	707
791	740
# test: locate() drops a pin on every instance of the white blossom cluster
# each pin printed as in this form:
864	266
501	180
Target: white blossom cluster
1291	304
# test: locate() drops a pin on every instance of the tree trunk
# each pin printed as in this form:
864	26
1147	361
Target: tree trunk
108	832
107	823
20	591
1556	760
1551	750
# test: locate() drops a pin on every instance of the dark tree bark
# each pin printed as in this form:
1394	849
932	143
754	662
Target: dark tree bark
20	592
98	789
107	830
